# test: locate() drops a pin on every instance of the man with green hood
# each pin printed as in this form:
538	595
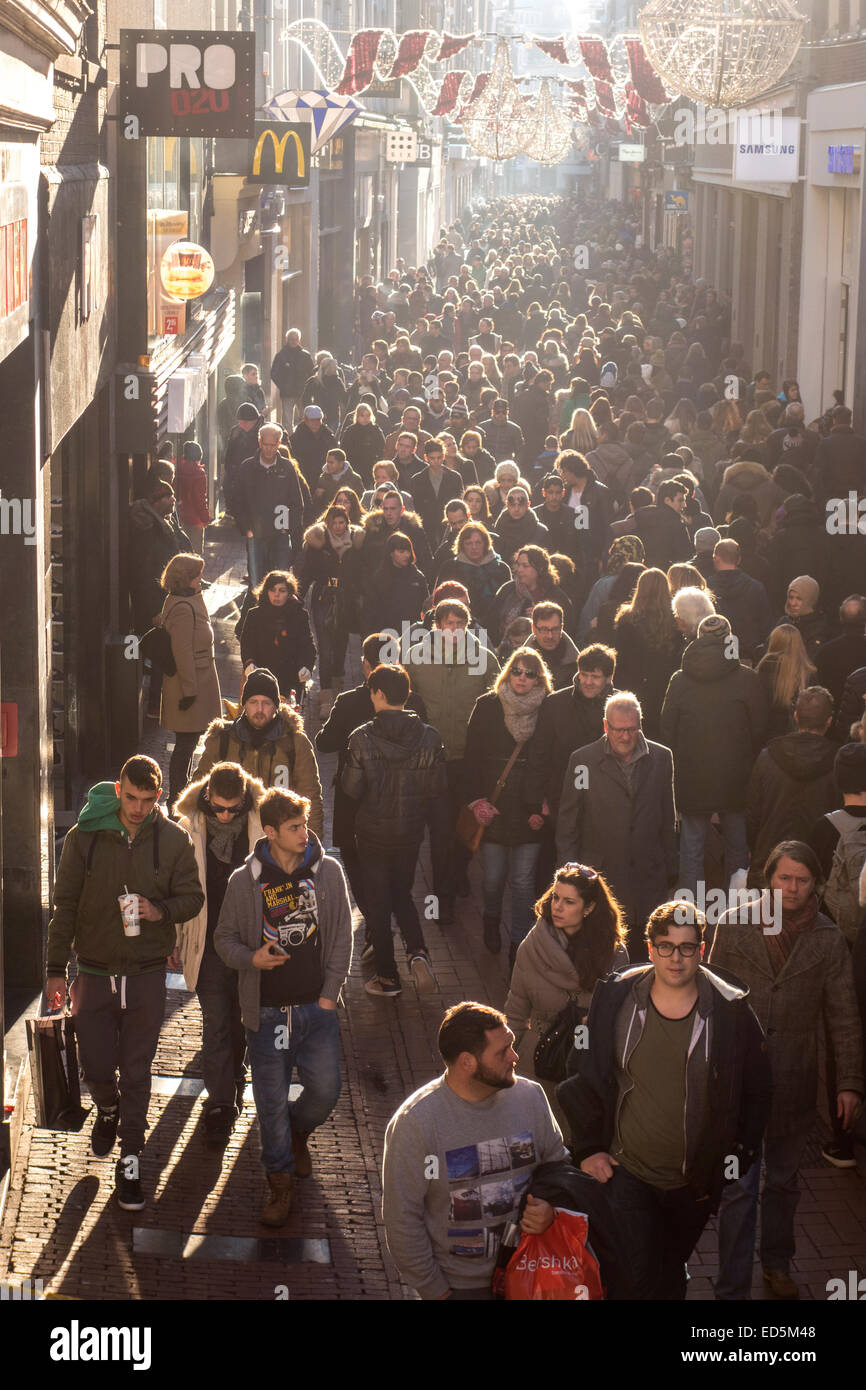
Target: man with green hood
123	843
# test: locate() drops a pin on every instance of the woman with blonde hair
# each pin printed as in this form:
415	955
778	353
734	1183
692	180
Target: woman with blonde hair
785	670
503	722
582	434
685	576
191	697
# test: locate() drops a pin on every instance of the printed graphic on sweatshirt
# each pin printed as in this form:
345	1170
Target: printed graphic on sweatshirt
486	1184
289	913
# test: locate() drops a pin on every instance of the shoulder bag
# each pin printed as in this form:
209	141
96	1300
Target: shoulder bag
469	831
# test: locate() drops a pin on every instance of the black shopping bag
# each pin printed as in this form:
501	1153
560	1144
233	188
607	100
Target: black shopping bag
54	1069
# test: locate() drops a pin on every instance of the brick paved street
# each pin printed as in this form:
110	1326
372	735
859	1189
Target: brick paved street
60	1225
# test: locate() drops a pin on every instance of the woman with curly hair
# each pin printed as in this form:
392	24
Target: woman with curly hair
534	580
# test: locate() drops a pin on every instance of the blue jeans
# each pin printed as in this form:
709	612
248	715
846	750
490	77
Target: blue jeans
516	865
693	838
307	1037
268	553
738	1217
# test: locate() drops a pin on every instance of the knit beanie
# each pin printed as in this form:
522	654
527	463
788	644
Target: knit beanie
714	626
807	588
706	538
261	682
247	411
625	550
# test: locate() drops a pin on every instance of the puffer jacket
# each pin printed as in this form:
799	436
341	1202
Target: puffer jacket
792	785
395	770
489	745
728	1088
98	864
544	979
449	678
753	480
191	935
285	756
713	720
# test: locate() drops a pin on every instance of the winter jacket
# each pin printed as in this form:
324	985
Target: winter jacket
645	668
504	440
429	505
191	488
713	720
727	1092
449	677
291	369
377	532
812	627
284	757
839	464
395	771
191	935
483	582
241	444
99	862
349	711
816	982
800	539
544	980
625	830
153	541
489	745
563	535
751	480
261	491
280	640
532	409
320	563
327	392
364	445
325	487
744	602
239	932
791	786
566	720
851	706
186	621
664	534
561	662
393	595
515	533
309	449
511	603
836	660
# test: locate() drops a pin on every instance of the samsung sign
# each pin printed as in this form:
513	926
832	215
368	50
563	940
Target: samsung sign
776	160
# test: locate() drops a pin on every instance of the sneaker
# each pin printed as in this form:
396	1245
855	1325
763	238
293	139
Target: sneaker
127	1183
303	1158
104	1131
219	1123
840	1152
279	1204
781	1285
422	973
384	988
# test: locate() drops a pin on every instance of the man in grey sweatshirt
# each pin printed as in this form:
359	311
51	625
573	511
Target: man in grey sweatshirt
460	1154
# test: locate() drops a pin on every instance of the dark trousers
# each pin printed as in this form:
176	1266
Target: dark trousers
223	1041
178	767
449	857
660	1229
352	864
841	1135
117	1023
388	876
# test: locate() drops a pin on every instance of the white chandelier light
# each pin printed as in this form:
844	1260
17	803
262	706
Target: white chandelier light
499	123
553	135
721	52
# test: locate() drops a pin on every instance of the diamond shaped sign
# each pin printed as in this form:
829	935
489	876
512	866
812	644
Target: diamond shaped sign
326	112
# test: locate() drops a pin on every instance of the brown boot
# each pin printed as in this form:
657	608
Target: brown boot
303	1161
279	1203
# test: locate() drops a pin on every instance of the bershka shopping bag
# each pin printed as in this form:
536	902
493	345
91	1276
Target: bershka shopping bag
560	1264
54	1068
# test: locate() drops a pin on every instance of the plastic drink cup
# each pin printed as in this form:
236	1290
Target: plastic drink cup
129	911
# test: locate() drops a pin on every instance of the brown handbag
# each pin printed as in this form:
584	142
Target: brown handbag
468	830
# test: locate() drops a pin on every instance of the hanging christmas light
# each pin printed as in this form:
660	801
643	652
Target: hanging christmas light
499	123
552	138
721	52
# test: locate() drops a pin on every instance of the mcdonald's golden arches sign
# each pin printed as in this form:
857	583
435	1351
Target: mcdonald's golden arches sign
281	153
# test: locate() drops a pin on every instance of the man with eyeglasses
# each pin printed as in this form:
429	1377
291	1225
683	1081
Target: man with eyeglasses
617	813
670	1101
219	812
554	646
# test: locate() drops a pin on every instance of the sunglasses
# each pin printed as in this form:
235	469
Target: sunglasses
225	810
522	671
580	871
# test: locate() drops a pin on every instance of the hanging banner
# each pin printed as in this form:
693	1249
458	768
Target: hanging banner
188	82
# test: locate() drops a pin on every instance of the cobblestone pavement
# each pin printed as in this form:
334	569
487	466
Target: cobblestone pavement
199	1235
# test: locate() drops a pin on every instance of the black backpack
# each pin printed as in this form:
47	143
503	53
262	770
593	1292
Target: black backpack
155	646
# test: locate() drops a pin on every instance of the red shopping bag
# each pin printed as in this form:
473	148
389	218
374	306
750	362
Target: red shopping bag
560	1264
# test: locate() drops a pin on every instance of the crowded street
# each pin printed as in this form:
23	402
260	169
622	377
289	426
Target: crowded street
433	665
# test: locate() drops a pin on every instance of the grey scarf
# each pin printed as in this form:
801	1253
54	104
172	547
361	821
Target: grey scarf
221	837
521	711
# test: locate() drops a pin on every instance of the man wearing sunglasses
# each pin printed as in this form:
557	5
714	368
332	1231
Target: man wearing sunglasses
219	812
671	1099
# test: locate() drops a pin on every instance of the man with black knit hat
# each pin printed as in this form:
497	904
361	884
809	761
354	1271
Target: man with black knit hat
286	928
267	740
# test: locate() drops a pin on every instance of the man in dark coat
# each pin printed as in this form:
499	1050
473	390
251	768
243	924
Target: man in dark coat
839	463
291	368
792	784
557	517
713	720
241	444
532	409
155	536
741	599
568	719
661	527
310	442
502	436
617	813
517	524
432	488
836	660
271	504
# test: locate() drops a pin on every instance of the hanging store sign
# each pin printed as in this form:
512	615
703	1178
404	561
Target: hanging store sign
676	200
188	82
186	270
632	154
281	154
767	161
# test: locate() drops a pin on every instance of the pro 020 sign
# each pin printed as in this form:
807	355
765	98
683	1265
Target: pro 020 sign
187	82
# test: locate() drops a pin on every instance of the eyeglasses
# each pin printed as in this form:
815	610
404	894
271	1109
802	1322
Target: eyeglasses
580	870
623	728
522	671
666	948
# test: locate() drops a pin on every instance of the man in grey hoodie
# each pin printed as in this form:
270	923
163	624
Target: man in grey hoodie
286	927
